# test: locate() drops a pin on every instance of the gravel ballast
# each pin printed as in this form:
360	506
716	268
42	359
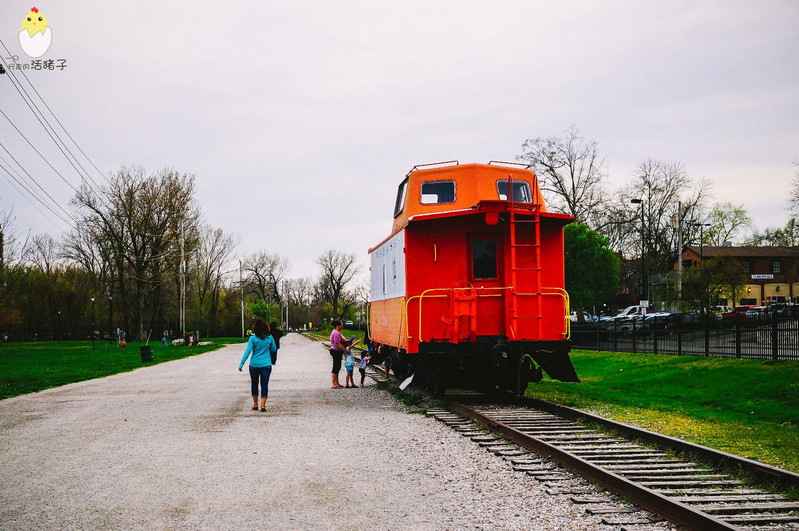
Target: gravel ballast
176	446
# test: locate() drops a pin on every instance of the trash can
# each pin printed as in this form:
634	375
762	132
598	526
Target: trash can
146	353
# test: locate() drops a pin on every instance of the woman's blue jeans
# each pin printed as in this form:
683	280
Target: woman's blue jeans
262	374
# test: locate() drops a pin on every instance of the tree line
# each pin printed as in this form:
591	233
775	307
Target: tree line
642	224
139	258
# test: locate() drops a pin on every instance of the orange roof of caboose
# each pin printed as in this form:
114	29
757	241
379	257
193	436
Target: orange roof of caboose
473	183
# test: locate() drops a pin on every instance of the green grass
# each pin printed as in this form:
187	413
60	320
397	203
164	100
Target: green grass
744	407
30	367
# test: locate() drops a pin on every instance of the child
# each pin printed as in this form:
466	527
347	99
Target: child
349	363
365	357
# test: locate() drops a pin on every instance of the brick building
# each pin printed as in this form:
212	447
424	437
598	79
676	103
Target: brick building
772	273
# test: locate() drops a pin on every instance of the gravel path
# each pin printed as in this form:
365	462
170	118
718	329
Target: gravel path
176	446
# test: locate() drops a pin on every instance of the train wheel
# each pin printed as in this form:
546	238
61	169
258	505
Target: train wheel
399	365
535	374
520	377
526	372
437	386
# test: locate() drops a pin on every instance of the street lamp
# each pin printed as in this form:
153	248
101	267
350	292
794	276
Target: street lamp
643	266
59	327
110	316
701	238
92	323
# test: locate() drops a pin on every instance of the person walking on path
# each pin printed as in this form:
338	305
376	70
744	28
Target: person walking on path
276	334
337	350
262	347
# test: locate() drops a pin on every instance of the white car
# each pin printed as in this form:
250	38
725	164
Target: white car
587	316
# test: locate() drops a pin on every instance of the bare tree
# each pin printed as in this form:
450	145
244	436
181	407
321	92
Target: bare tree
663	194
13	247
135	221
338	269
214	250
265	272
570	170
43	253
299	291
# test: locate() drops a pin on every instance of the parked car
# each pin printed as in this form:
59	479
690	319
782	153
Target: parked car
587	316
631	310
738	312
782	310
662	320
756	312
719	311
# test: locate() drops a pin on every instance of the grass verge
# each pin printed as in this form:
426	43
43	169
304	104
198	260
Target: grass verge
30	367
745	407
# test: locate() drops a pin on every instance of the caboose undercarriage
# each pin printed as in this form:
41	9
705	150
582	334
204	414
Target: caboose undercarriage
488	363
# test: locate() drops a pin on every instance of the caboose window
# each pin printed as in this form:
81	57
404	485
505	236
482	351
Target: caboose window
521	191
401	191
436	192
484	259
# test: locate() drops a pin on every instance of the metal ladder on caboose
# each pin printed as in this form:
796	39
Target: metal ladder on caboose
512	310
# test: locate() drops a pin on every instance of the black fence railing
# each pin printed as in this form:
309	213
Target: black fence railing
771	338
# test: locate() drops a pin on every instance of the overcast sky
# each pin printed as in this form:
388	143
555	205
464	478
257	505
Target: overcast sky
299	119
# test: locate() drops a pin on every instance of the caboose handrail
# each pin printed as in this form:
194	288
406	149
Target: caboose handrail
559	292
505	163
453	290
553	291
565	294
403	313
423	294
453	162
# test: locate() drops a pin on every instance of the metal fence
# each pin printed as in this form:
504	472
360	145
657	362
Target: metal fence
774	338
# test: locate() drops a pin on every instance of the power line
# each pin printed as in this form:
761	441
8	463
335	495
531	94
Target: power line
67	133
8	174
38	185
37	151
49	129
54	136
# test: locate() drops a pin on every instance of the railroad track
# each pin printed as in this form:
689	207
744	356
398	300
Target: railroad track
693	493
696	492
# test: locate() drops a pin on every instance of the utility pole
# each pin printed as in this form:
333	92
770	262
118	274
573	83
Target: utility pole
182	282
241	288
679	253
644	288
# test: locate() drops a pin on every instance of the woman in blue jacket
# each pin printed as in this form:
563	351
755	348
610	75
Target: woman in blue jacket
261	346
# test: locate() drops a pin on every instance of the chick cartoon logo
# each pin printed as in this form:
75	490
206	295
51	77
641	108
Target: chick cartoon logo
35	36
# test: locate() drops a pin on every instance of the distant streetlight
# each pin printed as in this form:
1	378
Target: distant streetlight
92	323
643	266
59	328
110	316
701	238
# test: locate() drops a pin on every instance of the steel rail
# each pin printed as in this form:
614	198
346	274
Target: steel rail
760	471
674	511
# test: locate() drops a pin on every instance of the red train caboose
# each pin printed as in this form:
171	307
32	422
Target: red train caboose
470	284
